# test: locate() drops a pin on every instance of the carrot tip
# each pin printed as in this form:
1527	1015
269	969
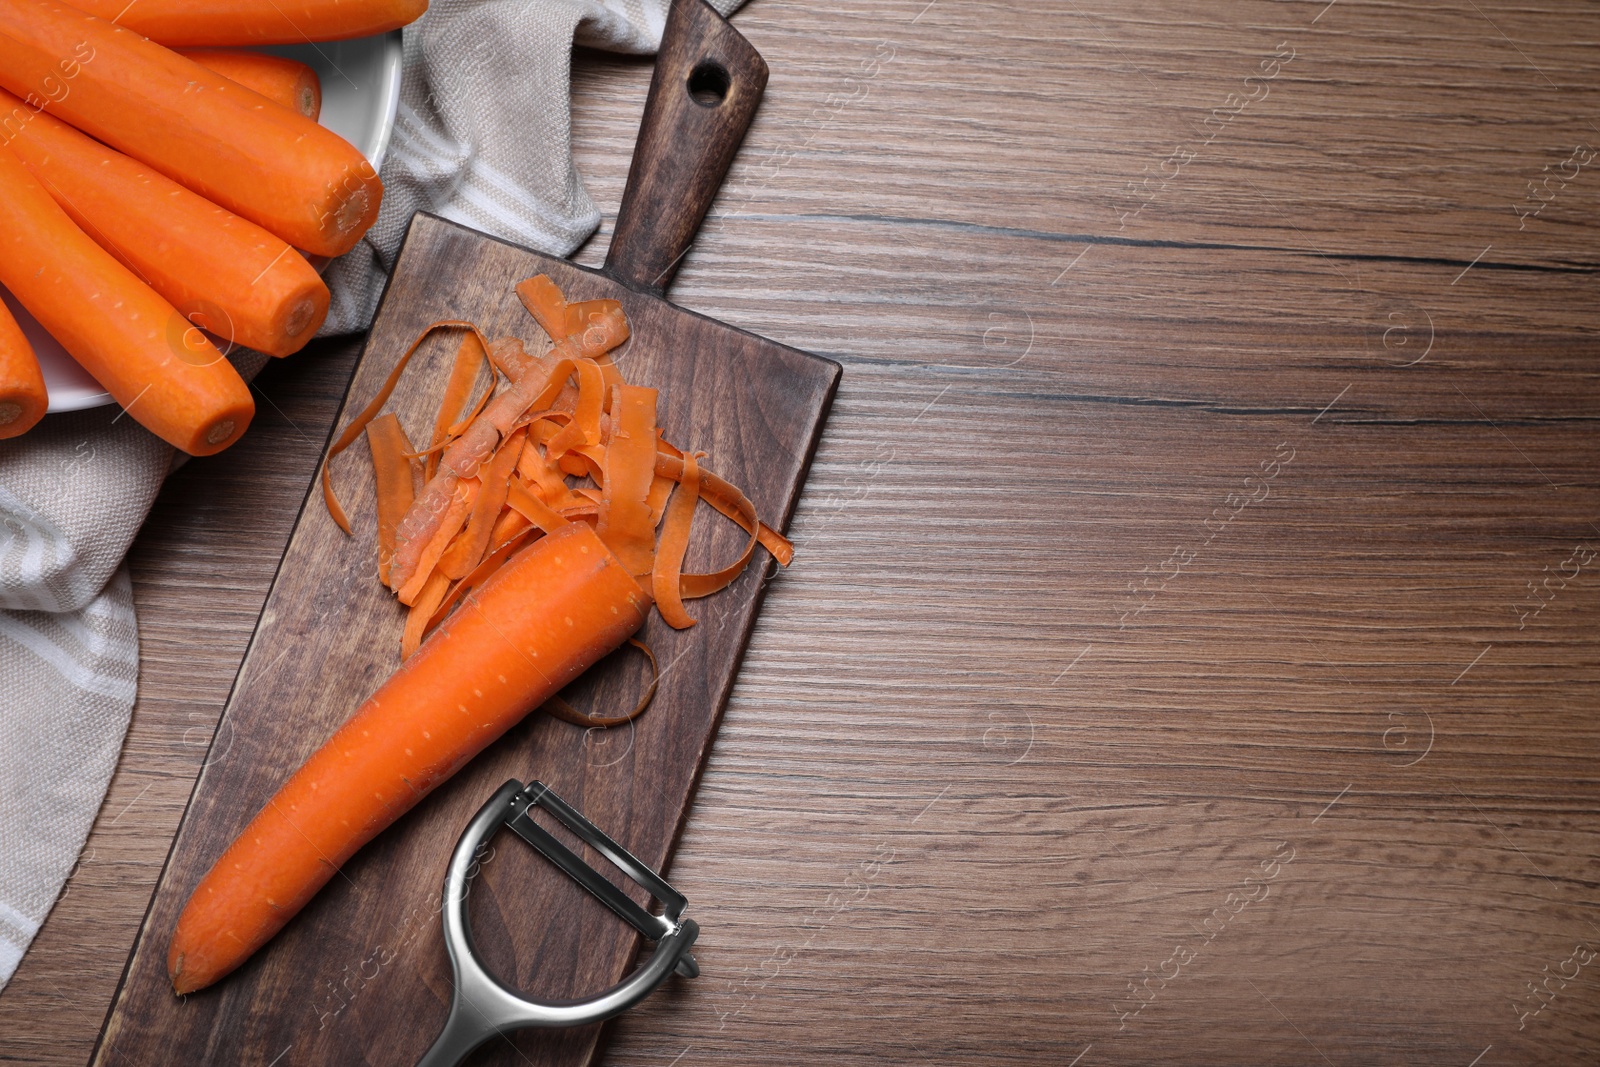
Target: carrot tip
10	411
220	432
299	318
178	985
352	213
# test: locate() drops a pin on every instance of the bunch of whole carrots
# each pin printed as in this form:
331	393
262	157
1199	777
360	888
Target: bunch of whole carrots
154	203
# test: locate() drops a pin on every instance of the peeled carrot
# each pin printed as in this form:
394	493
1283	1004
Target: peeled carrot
568	602
23	400
138	346
228	275
235	147
278	78
228	23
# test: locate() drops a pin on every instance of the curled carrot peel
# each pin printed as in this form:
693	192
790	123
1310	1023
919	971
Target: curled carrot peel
554	315
565	415
356	425
478	576
667	578
455	517
556	516
468	550
469	357
393	473
427	602
629	466
559	708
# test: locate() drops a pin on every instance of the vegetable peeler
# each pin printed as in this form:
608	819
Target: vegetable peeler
482	1006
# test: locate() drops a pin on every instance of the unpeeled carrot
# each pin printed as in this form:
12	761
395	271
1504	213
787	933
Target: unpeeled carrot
23	399
228	275
235	147
146	355
229	23
278	78
568	602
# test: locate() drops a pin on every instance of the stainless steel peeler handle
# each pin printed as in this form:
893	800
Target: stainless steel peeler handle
481	1006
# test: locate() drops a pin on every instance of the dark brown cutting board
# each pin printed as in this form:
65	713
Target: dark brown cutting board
361	975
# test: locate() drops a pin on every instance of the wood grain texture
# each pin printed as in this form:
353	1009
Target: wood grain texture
931	832
704	91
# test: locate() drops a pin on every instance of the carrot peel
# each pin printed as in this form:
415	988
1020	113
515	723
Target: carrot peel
674	543
393	474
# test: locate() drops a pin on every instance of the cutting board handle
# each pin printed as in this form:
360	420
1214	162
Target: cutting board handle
707	85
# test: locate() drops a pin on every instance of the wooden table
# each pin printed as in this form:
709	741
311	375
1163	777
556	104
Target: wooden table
1191	652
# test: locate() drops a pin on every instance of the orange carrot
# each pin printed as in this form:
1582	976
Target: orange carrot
230	23
567	601
235	147
278	78
23	400
145	354
227	275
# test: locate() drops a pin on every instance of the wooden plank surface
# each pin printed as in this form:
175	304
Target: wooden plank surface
971	787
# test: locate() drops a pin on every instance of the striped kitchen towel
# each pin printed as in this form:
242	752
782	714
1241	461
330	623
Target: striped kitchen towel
73	492
483	137
484	133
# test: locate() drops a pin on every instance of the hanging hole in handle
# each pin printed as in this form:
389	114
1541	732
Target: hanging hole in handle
709	83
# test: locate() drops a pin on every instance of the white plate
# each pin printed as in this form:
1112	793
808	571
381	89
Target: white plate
360	95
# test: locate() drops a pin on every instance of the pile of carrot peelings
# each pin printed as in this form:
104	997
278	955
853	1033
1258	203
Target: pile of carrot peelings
556	437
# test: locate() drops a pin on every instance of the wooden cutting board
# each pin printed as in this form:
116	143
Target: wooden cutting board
361	976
